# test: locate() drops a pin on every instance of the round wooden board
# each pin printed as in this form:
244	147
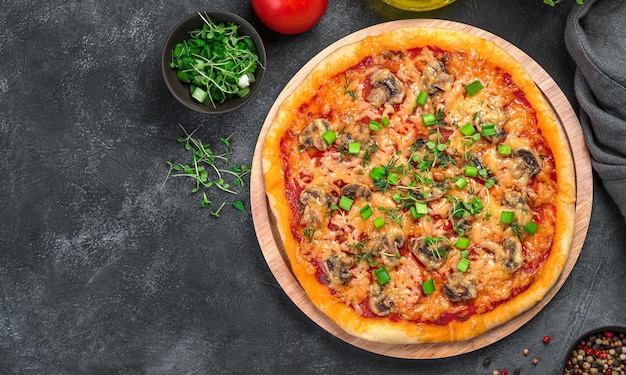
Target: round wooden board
274	253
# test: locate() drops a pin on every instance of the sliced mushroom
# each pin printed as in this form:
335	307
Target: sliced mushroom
315	205
530	160
379	302
386	88
437	191
496	116
435	77
387	245
432	254
338	267
356	132
311	135
508	254
512	257
460	287
356	190
482	175
515	201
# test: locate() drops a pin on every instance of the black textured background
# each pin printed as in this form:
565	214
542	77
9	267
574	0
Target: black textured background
103	272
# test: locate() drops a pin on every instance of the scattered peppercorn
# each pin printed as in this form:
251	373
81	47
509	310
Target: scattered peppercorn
526	351
535	361
517	371
546	339
486	361
598	353
504	372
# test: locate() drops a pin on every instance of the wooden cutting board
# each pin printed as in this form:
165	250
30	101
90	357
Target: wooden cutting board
274	253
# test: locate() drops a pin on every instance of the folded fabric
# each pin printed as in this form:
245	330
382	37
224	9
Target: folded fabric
595	36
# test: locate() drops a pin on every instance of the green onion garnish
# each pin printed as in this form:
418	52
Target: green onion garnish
474	87
462	243
421	209
468	129
377	173
428	119
471	171
507	217
354	148
531	227
489	130
375	126
329	136
385	121
345	203
428	286
366	212
463	265
504	150
392	178
379	222
461	183
382	276
422	97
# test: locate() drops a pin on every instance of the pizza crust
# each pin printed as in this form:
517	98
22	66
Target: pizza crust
382	329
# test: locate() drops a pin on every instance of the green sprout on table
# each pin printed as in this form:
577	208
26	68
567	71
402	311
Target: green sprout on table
206	169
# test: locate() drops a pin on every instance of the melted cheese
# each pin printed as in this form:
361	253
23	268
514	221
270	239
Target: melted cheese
349	233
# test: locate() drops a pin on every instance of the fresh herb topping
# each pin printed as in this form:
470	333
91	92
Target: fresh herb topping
308	233
428	286
382	275
346	88
474	87
216	61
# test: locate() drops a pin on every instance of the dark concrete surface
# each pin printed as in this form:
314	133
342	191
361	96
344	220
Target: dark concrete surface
104	272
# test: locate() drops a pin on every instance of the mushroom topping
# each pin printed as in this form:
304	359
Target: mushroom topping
530	160
356	190
515	201
496	116
386	88
387	246
509	253
338	268
479	164
379	302
431	252
460	287
434	77
316	205
436	192
512	257
311	135
356	132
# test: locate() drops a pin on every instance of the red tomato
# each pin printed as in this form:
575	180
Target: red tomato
289	16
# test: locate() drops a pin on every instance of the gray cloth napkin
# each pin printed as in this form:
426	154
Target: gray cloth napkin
595	36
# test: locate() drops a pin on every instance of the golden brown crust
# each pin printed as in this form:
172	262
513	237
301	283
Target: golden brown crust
381	329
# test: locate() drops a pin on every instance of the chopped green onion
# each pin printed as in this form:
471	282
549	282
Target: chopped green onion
461	183
366	212
468	129
504	150
354	148
507	217
462	243
199	94
489	130
465	253
382	275
422	97
531	227
379	222
428	119
377	173
474	87
345	203
428	286
385	121
392	178
463	265
421	209
375	126
471	171
329	136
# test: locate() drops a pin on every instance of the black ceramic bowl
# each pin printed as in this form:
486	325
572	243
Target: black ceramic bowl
181	90
597	332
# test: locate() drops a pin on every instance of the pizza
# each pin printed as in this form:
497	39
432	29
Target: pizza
421	186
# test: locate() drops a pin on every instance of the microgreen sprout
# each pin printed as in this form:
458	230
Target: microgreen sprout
207	170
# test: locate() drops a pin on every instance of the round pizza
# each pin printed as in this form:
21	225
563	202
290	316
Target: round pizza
422	188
